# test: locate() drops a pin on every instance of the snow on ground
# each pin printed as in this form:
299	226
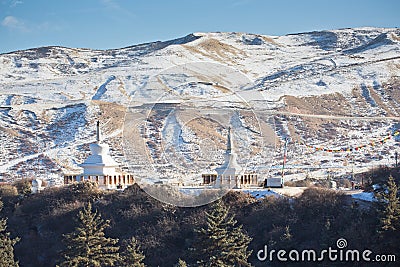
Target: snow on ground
366	196
256	192
259	193
205	70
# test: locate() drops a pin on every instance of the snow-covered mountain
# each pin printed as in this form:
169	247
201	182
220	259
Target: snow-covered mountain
165	107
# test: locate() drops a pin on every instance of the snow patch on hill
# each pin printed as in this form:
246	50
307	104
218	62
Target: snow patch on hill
53	95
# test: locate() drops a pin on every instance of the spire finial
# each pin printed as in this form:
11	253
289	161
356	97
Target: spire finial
229	141
98	132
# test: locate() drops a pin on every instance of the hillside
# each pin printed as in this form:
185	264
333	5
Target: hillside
165	106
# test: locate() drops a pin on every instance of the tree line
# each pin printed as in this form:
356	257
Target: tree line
80	225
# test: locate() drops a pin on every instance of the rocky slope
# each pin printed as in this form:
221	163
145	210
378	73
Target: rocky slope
165	106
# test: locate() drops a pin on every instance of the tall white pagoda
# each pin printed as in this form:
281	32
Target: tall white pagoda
101	168
227	172
230	174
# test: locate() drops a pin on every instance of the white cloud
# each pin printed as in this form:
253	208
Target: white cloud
14	3
116	10
16	24
12	22
110	4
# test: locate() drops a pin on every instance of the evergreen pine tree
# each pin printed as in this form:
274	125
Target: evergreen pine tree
132	256
87	245
389	227
221	242
6	244
390	219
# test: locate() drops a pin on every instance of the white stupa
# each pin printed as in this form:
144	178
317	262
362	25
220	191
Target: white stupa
36	186
230	169
101	168
99	162
230	174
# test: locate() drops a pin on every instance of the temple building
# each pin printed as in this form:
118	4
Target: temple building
230	174
101	168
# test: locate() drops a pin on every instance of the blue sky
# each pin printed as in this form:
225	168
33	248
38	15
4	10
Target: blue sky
103	24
